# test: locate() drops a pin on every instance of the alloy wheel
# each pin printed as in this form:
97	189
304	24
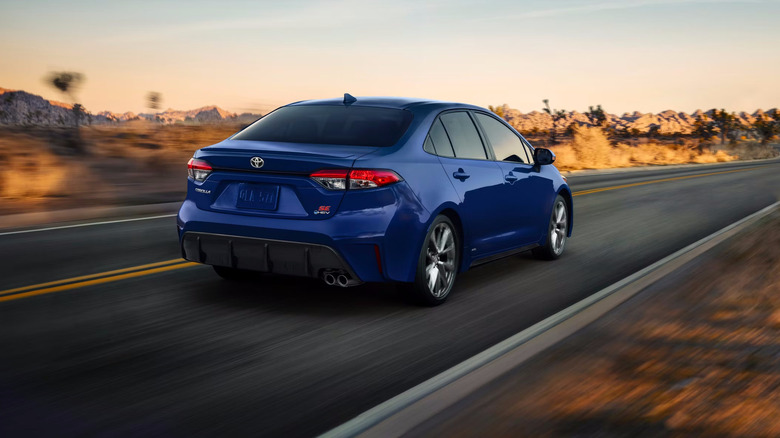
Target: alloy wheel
440	257
558	228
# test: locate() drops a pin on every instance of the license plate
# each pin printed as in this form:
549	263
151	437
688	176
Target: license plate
258	196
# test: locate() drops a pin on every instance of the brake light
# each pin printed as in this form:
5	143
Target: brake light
198	170
366	179
339	179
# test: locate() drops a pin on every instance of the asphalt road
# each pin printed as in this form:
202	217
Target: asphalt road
183	353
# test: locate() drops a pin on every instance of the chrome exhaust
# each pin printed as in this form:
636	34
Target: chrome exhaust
329	279
339	278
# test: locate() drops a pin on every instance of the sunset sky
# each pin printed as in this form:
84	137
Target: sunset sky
254	56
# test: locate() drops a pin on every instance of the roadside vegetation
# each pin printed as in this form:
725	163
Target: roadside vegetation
595	143
696	355
143	160
131	163
590	148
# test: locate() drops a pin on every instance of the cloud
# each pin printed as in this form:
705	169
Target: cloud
607	6
296	15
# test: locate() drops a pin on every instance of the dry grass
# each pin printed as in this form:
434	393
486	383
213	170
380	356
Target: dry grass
134	163
141	162
33	171
750	150
699	357
153	144
591	149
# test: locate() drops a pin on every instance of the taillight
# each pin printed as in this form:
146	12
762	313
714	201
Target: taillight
366	179
198	170
356	179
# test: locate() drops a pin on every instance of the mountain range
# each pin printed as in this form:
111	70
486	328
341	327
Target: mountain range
666	122
23	108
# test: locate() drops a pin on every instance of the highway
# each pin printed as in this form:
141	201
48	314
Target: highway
167	348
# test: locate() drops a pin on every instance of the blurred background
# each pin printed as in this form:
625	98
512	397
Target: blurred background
122	93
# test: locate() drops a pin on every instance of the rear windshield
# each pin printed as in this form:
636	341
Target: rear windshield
321	124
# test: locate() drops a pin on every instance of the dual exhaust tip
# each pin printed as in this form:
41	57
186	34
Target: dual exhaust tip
338	279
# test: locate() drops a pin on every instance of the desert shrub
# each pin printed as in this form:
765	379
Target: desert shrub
591	149
591	146
750	150
32	176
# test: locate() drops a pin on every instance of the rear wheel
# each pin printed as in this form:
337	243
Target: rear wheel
557	230
232	274
437	265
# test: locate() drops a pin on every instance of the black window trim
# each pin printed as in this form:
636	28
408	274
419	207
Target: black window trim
486	148
529	149
523	141
428	136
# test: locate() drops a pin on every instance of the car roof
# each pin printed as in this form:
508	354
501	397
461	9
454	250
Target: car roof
388	102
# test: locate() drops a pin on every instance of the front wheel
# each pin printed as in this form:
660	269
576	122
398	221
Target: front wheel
437	265
557	230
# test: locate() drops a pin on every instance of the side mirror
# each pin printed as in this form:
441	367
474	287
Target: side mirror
543	157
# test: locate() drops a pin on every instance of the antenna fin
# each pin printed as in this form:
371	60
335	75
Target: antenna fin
349	99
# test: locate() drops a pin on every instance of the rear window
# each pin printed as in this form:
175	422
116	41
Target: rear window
321	124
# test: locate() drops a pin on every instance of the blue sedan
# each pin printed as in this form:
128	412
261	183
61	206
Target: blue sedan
350	190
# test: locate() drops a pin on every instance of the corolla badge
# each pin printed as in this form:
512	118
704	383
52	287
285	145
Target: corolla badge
256	162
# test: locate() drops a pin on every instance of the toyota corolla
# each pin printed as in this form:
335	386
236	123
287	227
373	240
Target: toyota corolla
349	190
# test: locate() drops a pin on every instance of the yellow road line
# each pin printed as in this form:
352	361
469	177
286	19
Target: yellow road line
90	276
604	189
63	287
170	265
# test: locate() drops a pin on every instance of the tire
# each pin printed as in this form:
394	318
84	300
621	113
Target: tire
557	230
233	274
437	265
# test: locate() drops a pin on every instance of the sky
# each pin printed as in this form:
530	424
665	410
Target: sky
253	56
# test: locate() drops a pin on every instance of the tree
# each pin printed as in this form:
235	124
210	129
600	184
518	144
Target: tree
765	128
78	112
498	110
67	83
556	115
153	100
596	116
654	131
703	128
725	122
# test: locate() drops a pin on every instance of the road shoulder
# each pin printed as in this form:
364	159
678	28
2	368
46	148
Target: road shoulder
695	353
77	215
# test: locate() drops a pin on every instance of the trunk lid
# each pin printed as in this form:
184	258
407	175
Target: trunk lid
280	187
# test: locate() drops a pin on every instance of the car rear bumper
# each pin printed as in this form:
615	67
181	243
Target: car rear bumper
372	245
264	255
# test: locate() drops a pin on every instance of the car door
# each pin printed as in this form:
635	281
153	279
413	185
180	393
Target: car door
523	191
474	175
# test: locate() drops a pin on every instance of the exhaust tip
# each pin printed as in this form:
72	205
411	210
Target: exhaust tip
342	279
329	279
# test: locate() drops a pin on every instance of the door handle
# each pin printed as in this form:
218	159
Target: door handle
510	177
461	175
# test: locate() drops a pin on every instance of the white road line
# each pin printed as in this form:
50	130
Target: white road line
373	417
89	224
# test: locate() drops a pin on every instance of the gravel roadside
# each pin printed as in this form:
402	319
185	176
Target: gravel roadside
695	354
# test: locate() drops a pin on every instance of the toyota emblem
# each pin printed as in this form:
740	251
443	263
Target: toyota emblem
256	162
